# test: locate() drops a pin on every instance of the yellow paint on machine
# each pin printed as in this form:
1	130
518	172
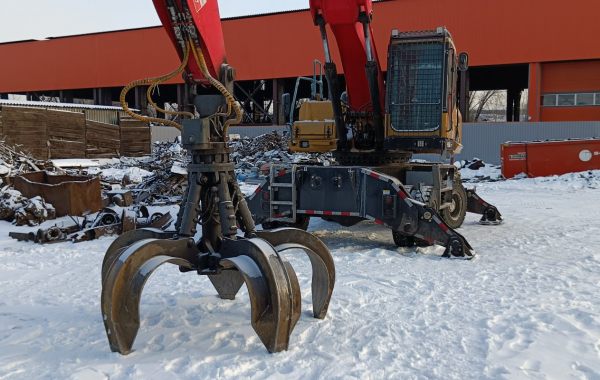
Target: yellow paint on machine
315	131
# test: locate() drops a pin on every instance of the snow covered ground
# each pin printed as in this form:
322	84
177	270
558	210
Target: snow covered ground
527	307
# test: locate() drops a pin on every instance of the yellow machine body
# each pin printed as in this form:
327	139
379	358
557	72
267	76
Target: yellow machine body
315	131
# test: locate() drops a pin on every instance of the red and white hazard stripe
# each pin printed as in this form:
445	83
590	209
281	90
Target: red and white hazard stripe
375	220
396	185
328	213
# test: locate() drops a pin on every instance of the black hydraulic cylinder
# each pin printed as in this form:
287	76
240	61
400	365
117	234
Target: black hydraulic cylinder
244	214
373	79
335	95
226	209
189	216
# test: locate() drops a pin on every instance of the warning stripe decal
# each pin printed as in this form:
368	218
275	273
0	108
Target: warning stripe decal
328	213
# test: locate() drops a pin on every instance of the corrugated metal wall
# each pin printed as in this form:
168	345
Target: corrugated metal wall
483	140
480	140
170	133
101	114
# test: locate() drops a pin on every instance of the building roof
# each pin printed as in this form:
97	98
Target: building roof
30	103
284	44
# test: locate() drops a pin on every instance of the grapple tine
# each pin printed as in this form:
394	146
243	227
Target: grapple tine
227	283
272	286
323	267
296	294
124	282
127	239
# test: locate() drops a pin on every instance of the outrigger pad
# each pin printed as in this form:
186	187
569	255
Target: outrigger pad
489	214
323	267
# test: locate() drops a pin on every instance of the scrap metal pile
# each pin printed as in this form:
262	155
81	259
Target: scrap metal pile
129	186
24	211
112	211
13	205
250	155
159	179
109	221
14	161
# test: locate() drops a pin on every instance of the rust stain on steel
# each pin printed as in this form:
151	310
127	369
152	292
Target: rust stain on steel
70	195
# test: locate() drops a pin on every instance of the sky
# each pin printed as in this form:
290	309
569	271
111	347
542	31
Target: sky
39	19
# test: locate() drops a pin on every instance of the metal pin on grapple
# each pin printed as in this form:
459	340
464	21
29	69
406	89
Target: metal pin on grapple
213	199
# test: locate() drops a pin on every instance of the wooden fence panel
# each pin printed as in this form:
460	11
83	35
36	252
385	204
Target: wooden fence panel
102	140
135	138
66	134
26	128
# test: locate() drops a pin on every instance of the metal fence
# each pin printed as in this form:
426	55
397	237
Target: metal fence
481	140
170	133
101	114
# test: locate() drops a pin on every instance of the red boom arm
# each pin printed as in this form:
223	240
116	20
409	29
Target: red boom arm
343	18
205	25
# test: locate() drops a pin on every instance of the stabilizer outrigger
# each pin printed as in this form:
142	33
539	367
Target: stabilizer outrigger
292	194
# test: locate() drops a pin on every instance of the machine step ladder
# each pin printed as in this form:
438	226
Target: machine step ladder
282	194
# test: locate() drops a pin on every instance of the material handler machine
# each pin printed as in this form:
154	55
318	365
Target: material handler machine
372	129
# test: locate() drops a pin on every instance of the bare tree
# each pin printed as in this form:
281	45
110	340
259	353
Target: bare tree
477	102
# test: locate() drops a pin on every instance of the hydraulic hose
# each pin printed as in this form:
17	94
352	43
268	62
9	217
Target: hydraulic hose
231	103
157	107
153	82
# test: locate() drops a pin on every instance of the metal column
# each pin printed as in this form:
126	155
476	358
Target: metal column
141	103
278	114
513	104
463	97
102	97
65	96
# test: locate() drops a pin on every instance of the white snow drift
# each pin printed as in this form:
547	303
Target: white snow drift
527	307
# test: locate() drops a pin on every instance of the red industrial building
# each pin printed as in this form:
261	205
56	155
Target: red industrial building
546	46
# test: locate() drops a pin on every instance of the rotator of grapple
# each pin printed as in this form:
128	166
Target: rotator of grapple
214	200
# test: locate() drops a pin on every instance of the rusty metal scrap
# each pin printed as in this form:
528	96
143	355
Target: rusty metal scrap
10	201
250	154
71	195
34	212
110	221
23	211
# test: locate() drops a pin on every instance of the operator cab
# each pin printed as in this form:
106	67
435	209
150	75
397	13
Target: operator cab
421	112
